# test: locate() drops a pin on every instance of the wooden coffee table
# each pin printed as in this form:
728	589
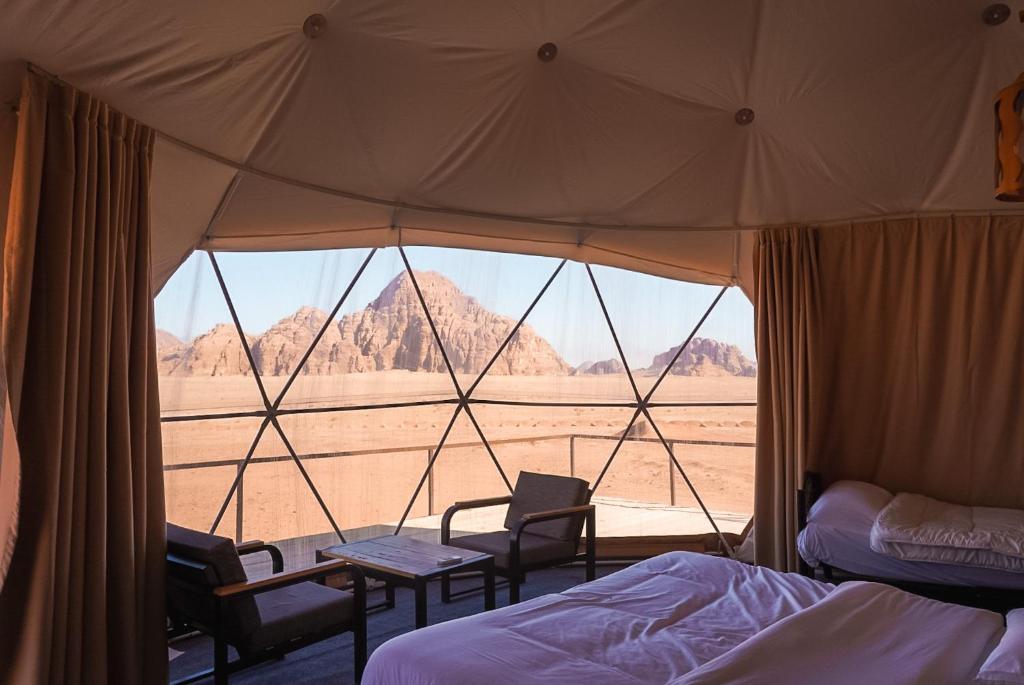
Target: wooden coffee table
408	562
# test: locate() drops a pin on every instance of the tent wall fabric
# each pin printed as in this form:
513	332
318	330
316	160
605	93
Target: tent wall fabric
922	395
658	139
84	597
788	325
437	123
914	397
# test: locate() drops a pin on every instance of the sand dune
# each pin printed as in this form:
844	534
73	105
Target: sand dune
386	450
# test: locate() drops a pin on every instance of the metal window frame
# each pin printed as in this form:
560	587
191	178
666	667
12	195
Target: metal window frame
462	400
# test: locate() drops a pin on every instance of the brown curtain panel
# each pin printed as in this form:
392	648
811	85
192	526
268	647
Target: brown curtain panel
924	331
10	463
84	599
890	352
787	319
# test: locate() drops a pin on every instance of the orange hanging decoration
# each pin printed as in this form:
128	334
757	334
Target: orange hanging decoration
1009	129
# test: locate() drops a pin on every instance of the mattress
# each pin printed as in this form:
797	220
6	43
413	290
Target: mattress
649	623
838	533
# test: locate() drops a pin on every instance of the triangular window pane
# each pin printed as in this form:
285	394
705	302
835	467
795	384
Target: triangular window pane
564	353
200	359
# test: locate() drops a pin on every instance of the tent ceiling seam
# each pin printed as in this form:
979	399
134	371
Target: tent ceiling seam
566	243
218	212
496	216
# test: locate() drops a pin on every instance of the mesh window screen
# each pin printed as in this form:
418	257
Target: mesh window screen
314	396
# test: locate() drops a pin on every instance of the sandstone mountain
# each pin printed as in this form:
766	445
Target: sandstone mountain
167	341
601	368
392	332
218	352
706	357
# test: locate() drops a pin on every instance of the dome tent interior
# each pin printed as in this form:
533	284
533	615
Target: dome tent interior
438	124
733	254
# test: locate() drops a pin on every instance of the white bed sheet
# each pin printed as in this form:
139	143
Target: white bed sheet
649	623
838	533
862	633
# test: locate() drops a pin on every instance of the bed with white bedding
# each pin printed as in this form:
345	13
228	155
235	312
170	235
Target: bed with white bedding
686	618
837	535
648	623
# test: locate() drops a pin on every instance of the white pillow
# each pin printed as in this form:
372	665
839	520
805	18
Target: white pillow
849	505
1005	665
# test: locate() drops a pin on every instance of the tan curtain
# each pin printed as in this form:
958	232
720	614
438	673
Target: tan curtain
84	598
889	352
924	327
787	316
10	463
10	484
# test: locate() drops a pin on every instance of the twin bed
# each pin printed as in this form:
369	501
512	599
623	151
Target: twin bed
691	619
835	539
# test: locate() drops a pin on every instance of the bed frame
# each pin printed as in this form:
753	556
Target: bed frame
994	599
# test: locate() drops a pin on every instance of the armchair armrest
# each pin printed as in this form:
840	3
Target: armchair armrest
315	572
525	520
529	519
446	520
255	546
247	545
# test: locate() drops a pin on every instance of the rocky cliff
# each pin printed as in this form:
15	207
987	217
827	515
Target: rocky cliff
706	357
218	352
601	368
392	332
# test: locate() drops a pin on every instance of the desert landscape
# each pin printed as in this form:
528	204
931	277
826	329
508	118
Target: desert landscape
367	462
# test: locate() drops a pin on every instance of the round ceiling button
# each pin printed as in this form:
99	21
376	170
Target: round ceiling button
744	116
996	14
547	52
314	25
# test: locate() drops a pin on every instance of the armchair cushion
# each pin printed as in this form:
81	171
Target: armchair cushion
297	610
537	492
533	549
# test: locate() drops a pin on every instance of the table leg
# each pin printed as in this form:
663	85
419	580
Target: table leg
489	585
318	557
421	603
389	594
446	588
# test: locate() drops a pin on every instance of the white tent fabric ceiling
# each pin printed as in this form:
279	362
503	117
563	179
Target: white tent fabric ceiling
436	123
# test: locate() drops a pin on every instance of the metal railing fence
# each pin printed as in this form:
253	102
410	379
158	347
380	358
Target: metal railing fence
429	451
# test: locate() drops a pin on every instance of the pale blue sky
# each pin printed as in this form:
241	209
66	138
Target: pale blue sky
650	314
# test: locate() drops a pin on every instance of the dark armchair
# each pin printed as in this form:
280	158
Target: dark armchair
543	525
207	589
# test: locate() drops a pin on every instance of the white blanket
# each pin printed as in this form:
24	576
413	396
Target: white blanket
838	533
649	623
861	633
919	528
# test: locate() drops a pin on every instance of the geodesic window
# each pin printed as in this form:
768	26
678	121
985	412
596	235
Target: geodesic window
315	396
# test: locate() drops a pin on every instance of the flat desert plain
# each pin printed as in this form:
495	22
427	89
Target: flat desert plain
366	463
